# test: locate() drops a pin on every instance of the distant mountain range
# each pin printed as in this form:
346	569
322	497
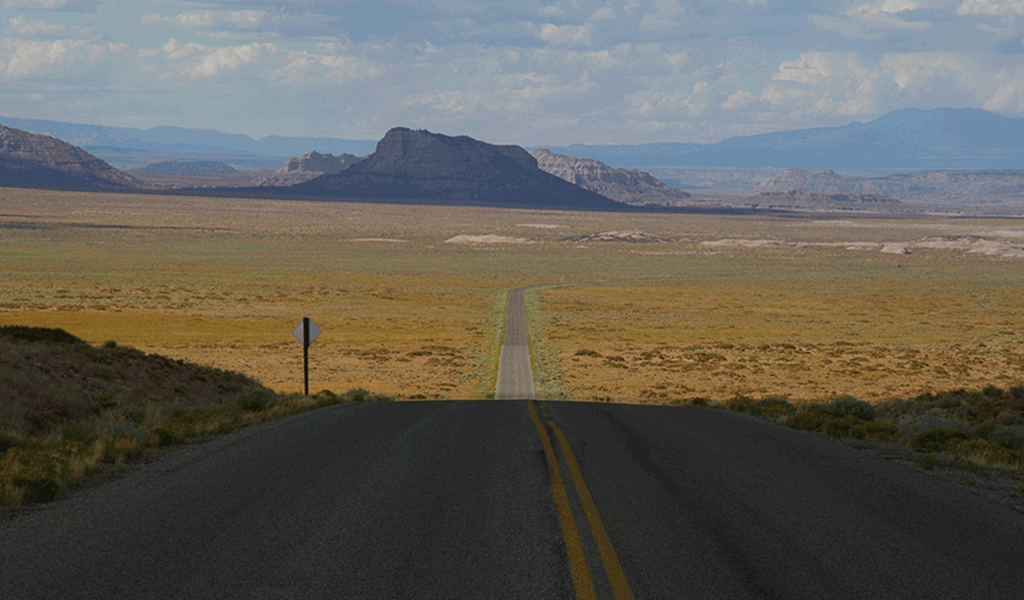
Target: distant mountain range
178	167
908	139
128	147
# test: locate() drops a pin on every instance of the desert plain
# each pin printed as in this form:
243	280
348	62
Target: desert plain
625	307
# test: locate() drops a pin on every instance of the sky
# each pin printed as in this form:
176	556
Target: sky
527	72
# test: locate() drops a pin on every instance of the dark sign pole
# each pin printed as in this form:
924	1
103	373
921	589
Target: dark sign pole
306	332
305	352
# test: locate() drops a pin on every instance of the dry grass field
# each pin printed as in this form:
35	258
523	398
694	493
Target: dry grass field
802	307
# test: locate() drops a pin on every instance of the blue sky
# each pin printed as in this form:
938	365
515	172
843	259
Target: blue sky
530	73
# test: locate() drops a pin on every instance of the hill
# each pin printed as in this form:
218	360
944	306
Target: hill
185	141
195	167
959	187
309	166
425	166
629	186
30	160
908	139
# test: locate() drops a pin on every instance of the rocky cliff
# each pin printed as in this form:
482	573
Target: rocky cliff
30	160
309	166
629	186
425	166
960	187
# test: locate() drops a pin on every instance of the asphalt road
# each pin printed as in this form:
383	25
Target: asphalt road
516	499
515	374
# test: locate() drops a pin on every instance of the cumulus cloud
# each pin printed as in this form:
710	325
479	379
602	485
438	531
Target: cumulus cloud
62	5
991	8
666	15
326	63
868	21
205	19
25	59
31	28
199	61
829	83
566	35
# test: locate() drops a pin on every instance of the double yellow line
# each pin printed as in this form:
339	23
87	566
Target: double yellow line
581	579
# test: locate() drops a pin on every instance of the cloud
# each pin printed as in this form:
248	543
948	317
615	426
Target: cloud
919	70
26	59
868	21
666	15
32	28
199	61
1009	97
61	5
837	83
991	8
205	19
738	101
326	64
567	35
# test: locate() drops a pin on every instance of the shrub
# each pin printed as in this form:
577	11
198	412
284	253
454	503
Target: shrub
939	440
849	406
1008	436
255	399
808	420
37	489
992	391
8	440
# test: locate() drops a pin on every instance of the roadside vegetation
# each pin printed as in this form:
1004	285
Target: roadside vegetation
973	437
70	410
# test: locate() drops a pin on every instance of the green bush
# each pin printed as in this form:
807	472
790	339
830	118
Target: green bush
1008	436
939	440
849	406
255	399
37	489
808	420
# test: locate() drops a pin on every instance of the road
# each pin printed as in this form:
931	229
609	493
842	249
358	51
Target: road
516	499
515	374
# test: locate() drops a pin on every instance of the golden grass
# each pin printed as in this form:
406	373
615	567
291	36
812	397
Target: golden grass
805	307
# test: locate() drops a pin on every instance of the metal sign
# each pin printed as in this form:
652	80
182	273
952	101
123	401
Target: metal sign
306	332
300	331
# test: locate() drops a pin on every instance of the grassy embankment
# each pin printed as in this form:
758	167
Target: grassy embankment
70	410
973	437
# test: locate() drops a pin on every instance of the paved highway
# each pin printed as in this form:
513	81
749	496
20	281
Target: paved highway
516	499
515	374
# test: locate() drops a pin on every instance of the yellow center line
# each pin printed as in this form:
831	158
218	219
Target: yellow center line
620	586
581	579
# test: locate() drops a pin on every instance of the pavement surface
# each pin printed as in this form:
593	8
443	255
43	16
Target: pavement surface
516	499
515	374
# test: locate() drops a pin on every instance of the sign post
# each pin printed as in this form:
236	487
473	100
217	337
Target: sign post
306	332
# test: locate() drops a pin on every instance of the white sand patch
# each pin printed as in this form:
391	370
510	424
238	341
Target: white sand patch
487	239
542	226
748	243
838	223
389	240
895	248
1010	233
